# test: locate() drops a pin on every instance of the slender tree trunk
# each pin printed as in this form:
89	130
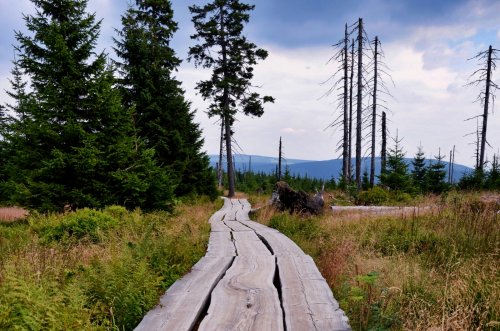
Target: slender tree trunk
485	113
221	152
453	165
345	142
279	161
349	161
229	156
359	103
449	167
374	114
383	154
478	144
226	110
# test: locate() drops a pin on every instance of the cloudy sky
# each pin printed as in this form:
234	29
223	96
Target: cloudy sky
426	44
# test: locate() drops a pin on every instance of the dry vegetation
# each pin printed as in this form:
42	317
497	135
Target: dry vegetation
433	268
12	214
95	270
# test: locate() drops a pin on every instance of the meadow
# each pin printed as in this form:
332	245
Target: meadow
434	268
431	267
95	269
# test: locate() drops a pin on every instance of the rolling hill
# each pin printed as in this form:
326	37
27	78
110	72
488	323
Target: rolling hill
315	169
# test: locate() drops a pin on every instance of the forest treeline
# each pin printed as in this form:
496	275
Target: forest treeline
85	129
399	180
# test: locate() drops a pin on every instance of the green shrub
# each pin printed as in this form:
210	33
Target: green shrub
402	197
28	303
123	288
83	224
373	196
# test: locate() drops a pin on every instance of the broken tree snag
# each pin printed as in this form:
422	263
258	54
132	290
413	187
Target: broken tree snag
297	201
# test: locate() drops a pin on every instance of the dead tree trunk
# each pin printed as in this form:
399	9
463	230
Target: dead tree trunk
349	160
485	113
345	141
359	106
383	153
374	114
280	156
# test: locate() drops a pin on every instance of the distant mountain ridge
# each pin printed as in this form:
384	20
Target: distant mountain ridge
316	169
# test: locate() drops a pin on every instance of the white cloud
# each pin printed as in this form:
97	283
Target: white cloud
293	130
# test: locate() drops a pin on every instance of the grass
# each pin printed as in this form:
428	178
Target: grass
95	270
435	269
12	214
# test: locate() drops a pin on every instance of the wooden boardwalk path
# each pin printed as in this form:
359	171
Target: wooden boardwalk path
251	278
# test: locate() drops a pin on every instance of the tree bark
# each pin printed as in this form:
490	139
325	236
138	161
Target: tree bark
226	111
485	113
345	142
221	151
359	105
280	155
383	153
349	161
374	114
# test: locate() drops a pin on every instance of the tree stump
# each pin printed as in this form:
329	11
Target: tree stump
300	202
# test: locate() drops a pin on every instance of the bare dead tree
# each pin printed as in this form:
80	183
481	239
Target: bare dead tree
280	157
351	80
339	86
383	153
374	111
359	103
487	62
377	83
345	140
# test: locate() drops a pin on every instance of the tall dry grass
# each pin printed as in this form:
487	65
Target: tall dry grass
12	214
428	269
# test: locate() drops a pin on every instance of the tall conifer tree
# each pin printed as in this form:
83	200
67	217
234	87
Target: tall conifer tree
224	48
71	142
162	115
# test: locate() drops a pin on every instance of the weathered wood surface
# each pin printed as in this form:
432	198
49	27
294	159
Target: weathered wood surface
252	278
246	299
181	306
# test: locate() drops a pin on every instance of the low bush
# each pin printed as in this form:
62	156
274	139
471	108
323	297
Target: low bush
373	196
84	224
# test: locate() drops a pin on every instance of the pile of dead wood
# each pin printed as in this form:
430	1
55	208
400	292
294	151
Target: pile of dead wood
286	198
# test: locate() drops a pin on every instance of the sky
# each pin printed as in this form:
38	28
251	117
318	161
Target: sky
427	45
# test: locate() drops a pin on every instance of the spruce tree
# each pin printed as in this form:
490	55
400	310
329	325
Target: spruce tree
162	115
224	49
436	174
72	142
492	181
419	170
396	176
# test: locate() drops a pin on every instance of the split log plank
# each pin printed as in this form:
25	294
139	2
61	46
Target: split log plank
308	302
237	226
183	303
245	298
248	244
220	244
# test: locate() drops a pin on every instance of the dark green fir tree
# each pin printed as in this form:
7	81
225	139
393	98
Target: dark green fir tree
436	174
224	48
419	171
396	177
71	141
162	115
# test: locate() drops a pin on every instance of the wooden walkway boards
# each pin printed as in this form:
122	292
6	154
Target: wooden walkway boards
251	278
